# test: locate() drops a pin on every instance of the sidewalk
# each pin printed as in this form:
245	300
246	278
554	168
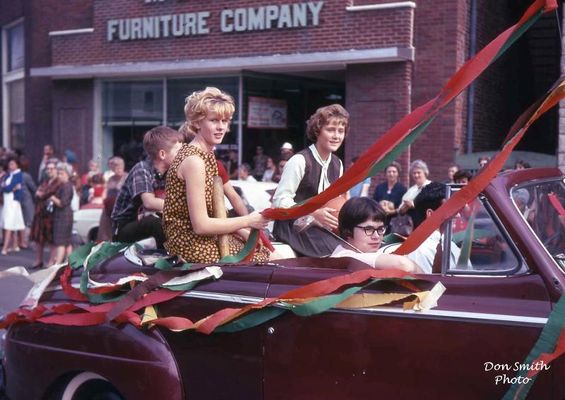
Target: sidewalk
23	258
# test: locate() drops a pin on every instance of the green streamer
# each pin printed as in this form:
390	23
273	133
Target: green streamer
545	344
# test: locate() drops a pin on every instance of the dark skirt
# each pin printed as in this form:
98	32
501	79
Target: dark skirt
42	225
311	242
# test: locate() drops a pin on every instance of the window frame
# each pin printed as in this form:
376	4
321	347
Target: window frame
521	266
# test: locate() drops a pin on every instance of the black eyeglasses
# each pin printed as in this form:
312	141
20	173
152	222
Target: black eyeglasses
370	230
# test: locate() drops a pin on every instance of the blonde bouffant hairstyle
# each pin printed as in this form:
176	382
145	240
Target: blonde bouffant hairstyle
200	103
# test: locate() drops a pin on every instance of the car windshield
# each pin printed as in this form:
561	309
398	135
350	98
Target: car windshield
542	204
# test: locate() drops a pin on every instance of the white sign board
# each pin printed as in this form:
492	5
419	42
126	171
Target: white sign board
266	113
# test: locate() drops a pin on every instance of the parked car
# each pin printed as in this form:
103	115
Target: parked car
86	221
257	194
491	313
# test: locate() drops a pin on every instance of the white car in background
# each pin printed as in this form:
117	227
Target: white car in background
85	223
257	194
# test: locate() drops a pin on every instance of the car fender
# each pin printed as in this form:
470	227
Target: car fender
138	363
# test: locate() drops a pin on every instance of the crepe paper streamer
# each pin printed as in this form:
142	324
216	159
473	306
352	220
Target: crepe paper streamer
148	315
313	290
153	282
247	251
479	182
77	257
420	117
67	313
549	346
556	204
300	307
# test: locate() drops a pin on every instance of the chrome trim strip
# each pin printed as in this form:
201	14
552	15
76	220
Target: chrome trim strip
435	313
384	6
459	315
71	32
387	310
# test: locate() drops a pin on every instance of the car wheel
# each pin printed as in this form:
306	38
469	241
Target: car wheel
88	386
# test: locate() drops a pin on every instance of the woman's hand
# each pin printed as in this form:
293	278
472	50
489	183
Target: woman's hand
325	218
405	206
257	221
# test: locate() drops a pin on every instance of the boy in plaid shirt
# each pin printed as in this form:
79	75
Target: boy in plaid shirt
144	189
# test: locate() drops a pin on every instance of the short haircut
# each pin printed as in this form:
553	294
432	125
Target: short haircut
200	103
431	197
67	168
419	164
117	160
462	173
322	117
396	165
246	167
356	211
160	138
14	159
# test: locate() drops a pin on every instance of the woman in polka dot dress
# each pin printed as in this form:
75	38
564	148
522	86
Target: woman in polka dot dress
191	231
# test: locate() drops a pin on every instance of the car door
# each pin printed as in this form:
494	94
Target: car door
220	365
469	346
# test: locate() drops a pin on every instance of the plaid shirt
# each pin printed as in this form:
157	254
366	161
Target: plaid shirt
143	178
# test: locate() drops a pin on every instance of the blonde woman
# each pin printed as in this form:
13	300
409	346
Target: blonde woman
190	230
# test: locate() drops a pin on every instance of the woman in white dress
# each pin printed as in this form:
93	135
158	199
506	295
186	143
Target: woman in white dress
12	212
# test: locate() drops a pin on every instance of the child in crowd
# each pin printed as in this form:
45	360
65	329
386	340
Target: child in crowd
145	179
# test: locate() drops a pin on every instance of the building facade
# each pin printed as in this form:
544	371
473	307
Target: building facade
93	76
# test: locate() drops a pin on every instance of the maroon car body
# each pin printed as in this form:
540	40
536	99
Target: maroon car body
492	312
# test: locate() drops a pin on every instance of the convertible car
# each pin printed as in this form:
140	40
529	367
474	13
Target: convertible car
470	346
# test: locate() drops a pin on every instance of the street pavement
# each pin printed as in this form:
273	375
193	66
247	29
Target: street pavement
14	288
24	258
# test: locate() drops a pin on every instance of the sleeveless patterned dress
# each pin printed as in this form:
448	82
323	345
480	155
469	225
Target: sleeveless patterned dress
181	238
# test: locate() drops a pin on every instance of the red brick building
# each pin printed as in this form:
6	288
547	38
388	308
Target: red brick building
92	76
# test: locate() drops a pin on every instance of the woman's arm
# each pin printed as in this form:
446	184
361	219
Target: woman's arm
193	171
383	261
152	202
66	196
290	180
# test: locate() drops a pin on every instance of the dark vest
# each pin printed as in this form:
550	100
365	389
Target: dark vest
308	186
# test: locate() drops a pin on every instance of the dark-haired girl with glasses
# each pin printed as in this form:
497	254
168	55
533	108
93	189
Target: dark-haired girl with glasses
362	226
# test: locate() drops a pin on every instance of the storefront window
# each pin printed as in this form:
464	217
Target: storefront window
16	114
279	108
129	110
291	100
15	41
13	86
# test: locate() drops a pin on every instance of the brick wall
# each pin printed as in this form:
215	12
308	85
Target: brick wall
72	117
439	53
378	95
42	17
338	30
